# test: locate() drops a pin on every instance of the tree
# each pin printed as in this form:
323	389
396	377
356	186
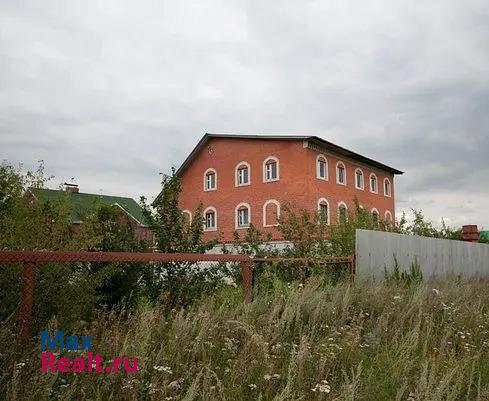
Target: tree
178	282
108	229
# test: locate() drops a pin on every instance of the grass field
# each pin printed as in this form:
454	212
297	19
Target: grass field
315	341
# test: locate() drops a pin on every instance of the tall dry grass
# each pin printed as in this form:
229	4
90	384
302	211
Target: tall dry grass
294	342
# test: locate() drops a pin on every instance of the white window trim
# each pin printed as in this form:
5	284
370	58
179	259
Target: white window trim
269	158
337	175
374	210
370	183
338	209
324	200
210	170
236	176
239	206
189	214
210	209
388	213
268	202
363	179
390	187
326	177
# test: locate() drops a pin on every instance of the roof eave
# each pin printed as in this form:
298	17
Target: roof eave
353	155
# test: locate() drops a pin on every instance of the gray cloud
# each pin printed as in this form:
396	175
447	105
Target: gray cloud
114	93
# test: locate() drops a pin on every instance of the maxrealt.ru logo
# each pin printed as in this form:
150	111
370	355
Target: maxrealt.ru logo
92	363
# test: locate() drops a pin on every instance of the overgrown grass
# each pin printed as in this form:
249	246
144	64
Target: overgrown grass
390	341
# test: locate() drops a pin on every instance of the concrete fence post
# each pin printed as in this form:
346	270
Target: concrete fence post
28	283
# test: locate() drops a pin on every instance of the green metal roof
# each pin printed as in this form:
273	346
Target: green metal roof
83	204
484	235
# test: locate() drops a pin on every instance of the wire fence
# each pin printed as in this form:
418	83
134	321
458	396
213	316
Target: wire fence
26	264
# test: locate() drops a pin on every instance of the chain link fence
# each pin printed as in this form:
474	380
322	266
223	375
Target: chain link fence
67	274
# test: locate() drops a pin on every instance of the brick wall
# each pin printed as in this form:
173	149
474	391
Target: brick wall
298	184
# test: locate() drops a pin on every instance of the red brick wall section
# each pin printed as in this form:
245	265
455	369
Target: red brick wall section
297	185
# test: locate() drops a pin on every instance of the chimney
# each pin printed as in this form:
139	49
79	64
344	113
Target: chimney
470	233
73	188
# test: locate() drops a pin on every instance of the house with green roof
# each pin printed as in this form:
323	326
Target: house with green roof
83	204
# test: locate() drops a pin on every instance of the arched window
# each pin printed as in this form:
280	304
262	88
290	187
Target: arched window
321	167
323	209
375	215
342	212
373	183
387	187
210	180
242	174
271	169
271	213
388	216
187	217
210	219
243	215
359	182
340	173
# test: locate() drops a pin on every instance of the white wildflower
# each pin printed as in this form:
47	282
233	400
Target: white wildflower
267	377
322	387
165	369
252	386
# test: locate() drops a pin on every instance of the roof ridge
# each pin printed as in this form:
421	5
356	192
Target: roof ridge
80	193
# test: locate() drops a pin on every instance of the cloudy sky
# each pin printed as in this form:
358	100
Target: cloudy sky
114	92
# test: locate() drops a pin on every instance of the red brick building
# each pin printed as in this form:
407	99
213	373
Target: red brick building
243	179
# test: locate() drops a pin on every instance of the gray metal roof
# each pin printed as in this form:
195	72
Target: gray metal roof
314	139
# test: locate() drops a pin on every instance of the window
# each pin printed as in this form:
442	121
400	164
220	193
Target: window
242	174
342	212
359	184
187	217
388	216
243	215
323	209
373	183
210	219
375	215
270	169
340	173
210	180
321	168
387	187
271	213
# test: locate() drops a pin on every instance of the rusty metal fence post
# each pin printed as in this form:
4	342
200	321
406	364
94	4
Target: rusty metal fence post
247	276
28	283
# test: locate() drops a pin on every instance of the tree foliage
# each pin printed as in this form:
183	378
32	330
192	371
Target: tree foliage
177	283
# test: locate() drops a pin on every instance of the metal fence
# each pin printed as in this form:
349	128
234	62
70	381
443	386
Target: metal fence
30	261
378	252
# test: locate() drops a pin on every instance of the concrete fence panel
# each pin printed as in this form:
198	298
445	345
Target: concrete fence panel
377	252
